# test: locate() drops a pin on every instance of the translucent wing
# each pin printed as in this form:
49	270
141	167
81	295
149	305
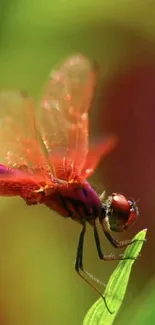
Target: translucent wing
97	151
19	139
63	118
16	182
57	148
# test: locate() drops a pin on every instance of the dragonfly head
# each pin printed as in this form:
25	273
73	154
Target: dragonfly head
119	213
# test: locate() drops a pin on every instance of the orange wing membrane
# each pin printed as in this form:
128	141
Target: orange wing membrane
63	118
20	149
49	144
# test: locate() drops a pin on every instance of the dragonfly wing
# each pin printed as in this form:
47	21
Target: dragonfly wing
97	151
63	115
16	182
19	138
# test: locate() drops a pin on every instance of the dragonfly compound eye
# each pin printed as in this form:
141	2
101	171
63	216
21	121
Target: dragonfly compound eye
121	212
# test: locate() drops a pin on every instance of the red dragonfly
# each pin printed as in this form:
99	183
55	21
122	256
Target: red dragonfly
46	156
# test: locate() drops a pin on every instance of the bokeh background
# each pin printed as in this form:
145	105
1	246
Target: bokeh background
38	285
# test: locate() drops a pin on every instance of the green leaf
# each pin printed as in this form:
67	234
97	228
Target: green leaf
116	287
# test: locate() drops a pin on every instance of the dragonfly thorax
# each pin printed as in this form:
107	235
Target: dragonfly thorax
77	201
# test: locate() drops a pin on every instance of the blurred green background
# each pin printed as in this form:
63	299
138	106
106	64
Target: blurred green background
38	285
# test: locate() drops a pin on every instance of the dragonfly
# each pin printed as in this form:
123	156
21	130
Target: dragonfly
46	156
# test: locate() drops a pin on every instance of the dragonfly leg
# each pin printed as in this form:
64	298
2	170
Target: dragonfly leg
119	244
79	267
110	257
